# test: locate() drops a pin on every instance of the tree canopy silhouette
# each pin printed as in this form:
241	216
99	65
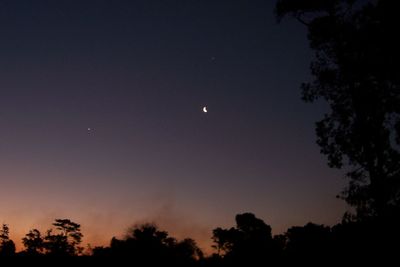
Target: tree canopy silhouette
66	240
7	246
356	71
33	242
250	242
147	245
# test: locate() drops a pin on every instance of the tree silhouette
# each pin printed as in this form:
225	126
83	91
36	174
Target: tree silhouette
148	241
225	240
66	241
7	246
249	243
356	71
33	242
147	245
188	251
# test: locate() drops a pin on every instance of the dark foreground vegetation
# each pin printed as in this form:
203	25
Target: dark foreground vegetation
249	243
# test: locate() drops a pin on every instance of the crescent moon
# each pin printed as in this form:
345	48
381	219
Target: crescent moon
205	109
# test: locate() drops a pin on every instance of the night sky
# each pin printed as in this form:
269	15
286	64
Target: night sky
101	118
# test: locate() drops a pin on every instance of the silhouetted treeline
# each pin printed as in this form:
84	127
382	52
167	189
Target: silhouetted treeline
249	243
148	245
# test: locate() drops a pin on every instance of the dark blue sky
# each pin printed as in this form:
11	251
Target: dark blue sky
137	73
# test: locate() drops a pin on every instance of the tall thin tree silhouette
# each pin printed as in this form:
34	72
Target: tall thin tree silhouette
356	71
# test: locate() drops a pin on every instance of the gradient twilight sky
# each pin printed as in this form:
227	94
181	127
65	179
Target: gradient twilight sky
137	73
